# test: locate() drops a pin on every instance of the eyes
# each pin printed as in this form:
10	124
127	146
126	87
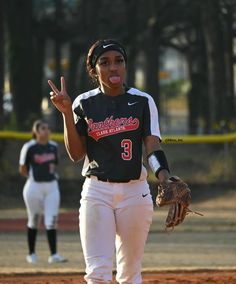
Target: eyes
44	128
107	62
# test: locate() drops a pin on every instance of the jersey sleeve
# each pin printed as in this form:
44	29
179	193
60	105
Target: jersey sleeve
24	156
80	122
151	119
56	152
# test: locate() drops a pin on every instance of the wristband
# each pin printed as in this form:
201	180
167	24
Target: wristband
157	162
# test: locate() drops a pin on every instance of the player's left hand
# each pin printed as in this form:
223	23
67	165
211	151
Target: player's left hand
176	193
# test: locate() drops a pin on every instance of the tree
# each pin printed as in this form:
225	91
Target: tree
201	30
188	39
228	14
21	61
217	21
2	56
83	19
196	28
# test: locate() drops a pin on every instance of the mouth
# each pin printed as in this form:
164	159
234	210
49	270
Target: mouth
115	79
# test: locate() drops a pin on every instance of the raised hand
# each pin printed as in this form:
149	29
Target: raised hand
60	99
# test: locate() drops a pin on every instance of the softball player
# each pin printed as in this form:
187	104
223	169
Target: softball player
37	162
111	124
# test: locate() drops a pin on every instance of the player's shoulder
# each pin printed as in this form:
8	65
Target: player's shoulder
137	92
28	146
53	143
30	143
85	96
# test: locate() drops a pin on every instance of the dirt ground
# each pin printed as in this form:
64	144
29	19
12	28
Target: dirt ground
162	277
202	250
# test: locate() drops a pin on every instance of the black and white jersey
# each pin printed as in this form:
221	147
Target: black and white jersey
115	128
40	160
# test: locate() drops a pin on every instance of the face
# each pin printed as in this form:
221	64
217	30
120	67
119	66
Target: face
111	69
43	132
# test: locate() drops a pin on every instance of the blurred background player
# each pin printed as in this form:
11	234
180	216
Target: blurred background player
112	122
38	159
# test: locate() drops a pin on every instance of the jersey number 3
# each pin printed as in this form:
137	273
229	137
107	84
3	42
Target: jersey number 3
126	144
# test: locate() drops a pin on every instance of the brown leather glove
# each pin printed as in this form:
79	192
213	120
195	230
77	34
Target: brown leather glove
176	193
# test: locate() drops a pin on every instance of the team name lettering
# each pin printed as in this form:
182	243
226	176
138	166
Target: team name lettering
43	158
111	126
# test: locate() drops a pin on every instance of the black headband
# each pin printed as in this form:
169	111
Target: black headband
103	47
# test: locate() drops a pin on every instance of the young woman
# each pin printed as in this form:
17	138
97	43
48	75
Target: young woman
38	159
107	126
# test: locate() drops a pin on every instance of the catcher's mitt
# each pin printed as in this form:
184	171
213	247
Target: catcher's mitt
176	193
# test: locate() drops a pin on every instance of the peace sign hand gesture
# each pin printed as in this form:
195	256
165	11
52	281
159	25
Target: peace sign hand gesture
60	99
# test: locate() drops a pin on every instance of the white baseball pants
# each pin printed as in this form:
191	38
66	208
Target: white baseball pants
42	197
114	217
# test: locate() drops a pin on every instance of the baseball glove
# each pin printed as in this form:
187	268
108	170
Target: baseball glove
176	193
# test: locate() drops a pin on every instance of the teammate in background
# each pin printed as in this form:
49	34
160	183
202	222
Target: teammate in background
38	159
107	126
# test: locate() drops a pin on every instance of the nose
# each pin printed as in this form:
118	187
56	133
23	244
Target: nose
113	66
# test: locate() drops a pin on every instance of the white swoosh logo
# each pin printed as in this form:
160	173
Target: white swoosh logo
130	104
105	46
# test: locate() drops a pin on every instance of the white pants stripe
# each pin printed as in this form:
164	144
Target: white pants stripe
114	216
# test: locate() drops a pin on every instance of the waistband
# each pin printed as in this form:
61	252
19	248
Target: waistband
109	180
32	180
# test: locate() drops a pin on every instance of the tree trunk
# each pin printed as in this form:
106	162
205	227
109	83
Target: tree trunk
2	10
197	96
58	126
39	59
216	69
228	57
72	72
131	41
21	63
152	68
151	49
131	66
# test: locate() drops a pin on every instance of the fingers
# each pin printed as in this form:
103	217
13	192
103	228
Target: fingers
53	87
52	95
63	84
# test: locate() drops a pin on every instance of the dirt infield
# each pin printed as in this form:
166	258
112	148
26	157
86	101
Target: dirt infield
163	277
202	250
68	221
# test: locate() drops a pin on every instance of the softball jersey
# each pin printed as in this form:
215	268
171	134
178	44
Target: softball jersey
115	128
40	160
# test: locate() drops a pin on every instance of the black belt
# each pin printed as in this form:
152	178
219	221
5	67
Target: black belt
111	180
